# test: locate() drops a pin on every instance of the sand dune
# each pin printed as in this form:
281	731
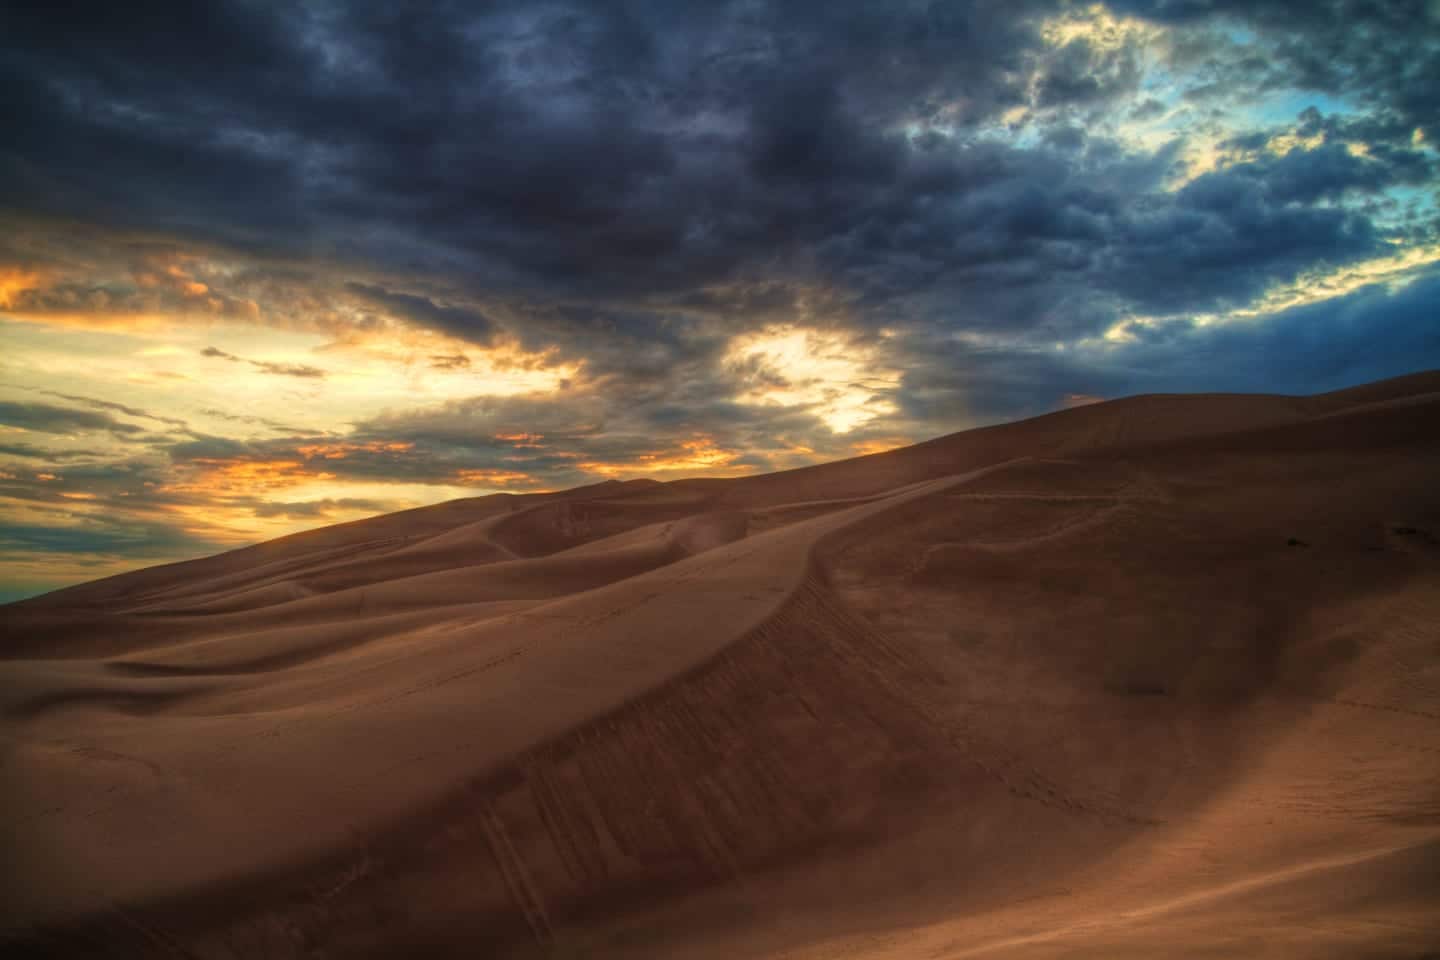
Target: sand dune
1153	677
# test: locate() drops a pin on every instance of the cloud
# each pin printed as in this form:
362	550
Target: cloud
467	323
47	418
269	424
455	361
572	159
1385	54
30	451
101	536
95	404
320	509
608	162
265	366
541	245
1367	334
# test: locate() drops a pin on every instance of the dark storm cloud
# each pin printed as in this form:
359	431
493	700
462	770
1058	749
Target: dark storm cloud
614	154
461	321
1008	235
1080	74
632	185
582	147
1369	334
1230	235
1366	335
1330	170
1385	55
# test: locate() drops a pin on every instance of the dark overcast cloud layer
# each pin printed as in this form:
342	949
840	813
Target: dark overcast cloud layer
718	236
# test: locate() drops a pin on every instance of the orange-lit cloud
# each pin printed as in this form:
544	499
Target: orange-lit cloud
495	478
697	455
15	281
864	448
159	289
250	477
340	450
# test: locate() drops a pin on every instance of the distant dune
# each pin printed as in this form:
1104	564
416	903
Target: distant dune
1155	677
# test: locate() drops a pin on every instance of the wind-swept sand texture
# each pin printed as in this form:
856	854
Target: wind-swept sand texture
1155	677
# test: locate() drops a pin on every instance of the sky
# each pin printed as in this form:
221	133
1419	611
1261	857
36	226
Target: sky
269	266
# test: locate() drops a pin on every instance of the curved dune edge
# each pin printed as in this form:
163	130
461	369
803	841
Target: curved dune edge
587	654
1173	698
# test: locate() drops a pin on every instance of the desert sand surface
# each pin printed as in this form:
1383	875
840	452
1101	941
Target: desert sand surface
1155	677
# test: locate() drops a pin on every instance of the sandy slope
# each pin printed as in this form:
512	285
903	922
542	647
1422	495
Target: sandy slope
1153	677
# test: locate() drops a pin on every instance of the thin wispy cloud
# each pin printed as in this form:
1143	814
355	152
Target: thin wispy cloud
267	366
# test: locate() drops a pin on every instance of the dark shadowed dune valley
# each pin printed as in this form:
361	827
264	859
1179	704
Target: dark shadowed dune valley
1152	677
